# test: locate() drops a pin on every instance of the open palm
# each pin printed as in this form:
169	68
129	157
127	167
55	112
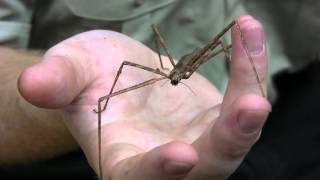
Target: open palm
158	131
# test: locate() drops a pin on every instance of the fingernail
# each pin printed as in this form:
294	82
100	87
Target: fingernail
177	169
255	40
252	121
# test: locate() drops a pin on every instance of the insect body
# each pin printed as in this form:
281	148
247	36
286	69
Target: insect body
182	69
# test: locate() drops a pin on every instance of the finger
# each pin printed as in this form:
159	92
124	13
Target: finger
224	146
245	75
56	80
171	161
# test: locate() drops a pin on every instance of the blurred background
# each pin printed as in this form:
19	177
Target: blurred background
290	142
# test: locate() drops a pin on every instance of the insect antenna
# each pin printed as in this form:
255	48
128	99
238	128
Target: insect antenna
188	87
164	83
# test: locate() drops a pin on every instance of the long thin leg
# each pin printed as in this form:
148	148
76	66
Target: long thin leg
156	71
160	40
99	142
213	42
206	58
210	52
156	42
128	63
245	46
224	49
137	86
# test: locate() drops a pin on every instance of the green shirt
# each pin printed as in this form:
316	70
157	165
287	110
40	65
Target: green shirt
184	24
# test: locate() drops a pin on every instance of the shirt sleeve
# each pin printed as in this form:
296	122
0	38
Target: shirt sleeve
15	22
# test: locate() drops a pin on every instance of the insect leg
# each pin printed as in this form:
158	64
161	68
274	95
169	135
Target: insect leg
224	49
156	42
101	99
211	53
128	63
207	57
160	40
213	43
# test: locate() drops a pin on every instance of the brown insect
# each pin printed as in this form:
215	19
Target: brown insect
185	67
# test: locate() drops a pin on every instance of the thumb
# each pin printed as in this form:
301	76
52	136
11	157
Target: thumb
54	82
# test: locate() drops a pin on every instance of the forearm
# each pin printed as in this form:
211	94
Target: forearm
27	133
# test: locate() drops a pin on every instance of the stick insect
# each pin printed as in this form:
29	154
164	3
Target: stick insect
185	67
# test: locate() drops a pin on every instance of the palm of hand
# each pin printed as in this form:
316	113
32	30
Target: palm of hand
151	116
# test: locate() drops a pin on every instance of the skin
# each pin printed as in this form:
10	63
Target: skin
159	132
28	133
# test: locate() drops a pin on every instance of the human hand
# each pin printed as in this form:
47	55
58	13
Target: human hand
156	132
